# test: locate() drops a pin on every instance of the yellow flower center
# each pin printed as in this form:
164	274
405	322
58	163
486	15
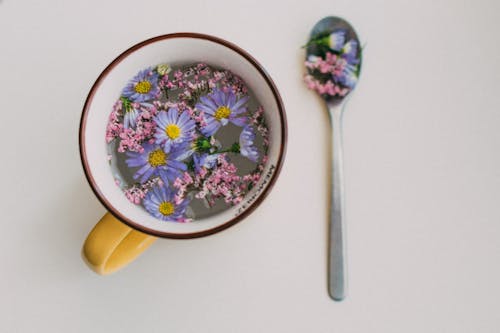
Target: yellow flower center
222	112
142	87
166	208
173	131
157	157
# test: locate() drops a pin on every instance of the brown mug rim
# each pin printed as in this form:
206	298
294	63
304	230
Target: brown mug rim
83	121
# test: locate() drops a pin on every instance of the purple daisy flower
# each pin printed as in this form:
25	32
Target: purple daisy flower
350	51
155	161
348	77
131	113
204	161
247	147
336	40
173	128
143	87
130	118
160	202
221	108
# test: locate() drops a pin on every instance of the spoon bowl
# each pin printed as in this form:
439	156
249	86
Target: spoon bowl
323	29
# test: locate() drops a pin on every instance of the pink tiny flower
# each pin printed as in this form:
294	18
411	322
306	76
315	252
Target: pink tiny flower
177	182
187	178
178	200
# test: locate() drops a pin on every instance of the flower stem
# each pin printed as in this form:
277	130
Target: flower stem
323	40
127	104
235	148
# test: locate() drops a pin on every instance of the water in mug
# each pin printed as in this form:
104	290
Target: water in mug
186	141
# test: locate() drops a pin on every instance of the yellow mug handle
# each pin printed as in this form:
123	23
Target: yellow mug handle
112	245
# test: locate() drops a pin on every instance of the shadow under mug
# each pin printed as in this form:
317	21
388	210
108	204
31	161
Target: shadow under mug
127	230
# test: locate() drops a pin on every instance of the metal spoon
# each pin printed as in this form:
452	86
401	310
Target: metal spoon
320	42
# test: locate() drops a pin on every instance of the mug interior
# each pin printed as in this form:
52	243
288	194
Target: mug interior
182	48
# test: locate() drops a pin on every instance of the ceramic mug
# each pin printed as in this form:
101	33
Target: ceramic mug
127	230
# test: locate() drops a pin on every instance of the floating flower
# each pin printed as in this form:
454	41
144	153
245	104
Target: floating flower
163	69
137	192
160	202
221	108
130	113
222	182
173	128
203	144
204	161
155	161
247	147
130	118
143	87
133	111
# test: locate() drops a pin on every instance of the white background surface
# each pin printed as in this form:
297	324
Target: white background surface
422	166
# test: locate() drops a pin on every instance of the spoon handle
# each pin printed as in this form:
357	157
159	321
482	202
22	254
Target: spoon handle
337	270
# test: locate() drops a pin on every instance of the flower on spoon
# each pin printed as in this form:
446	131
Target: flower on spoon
349	75
349	52
335	73
334	41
